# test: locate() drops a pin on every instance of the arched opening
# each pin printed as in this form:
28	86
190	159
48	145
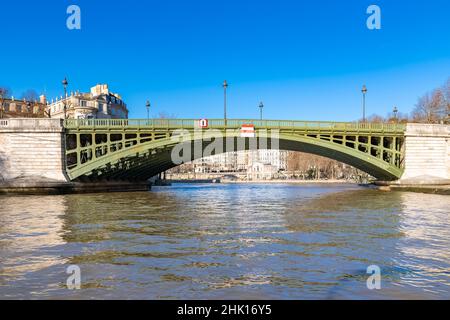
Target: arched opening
145	160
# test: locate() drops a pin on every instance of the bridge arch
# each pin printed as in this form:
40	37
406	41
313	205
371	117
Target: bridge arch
140	153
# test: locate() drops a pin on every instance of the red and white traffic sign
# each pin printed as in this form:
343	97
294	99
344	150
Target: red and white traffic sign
248	131
203	123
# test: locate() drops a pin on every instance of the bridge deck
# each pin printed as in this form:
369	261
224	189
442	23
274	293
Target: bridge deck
235	124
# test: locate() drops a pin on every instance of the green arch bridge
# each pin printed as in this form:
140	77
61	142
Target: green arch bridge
137	150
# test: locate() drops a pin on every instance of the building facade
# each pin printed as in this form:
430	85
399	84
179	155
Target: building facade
100	103
12	108
276	158
261	171
255	164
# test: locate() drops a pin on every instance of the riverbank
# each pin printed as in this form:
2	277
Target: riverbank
192	181
40	187
430	189
276	181
293	182
427	189
55	188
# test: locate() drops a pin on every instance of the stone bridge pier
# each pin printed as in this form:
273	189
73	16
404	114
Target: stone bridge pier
427	155
32	155
32	160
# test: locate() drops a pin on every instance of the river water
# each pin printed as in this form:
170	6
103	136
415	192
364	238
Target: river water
227	242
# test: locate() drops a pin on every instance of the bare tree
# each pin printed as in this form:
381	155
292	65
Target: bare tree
446	90
311	167
432	107
375	118
165	115
4	94
30	95
397	118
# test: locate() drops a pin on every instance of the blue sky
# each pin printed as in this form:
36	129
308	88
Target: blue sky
303	59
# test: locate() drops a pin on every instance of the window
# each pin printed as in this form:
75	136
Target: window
18	108
6	107
83	103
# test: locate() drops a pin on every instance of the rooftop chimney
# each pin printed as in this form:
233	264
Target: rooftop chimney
43	99
99	89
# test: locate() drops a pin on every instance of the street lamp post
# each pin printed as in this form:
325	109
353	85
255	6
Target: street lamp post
1	103
65	84
261	107
225	86
147	105
396	114
364	92
29	109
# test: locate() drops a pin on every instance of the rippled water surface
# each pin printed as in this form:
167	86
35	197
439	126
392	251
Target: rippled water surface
227	242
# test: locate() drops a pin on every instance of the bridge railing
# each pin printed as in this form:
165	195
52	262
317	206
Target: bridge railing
231	124
31	124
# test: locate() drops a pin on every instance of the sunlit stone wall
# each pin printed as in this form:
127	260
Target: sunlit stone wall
427	157
31	150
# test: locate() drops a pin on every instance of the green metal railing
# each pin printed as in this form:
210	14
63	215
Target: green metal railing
232	124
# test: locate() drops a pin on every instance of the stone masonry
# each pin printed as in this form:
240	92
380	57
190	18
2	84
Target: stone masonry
427	154
31	151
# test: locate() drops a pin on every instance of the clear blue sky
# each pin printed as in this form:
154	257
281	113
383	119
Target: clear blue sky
304	59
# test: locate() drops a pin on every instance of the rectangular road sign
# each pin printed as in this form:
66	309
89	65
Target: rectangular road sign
248	131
